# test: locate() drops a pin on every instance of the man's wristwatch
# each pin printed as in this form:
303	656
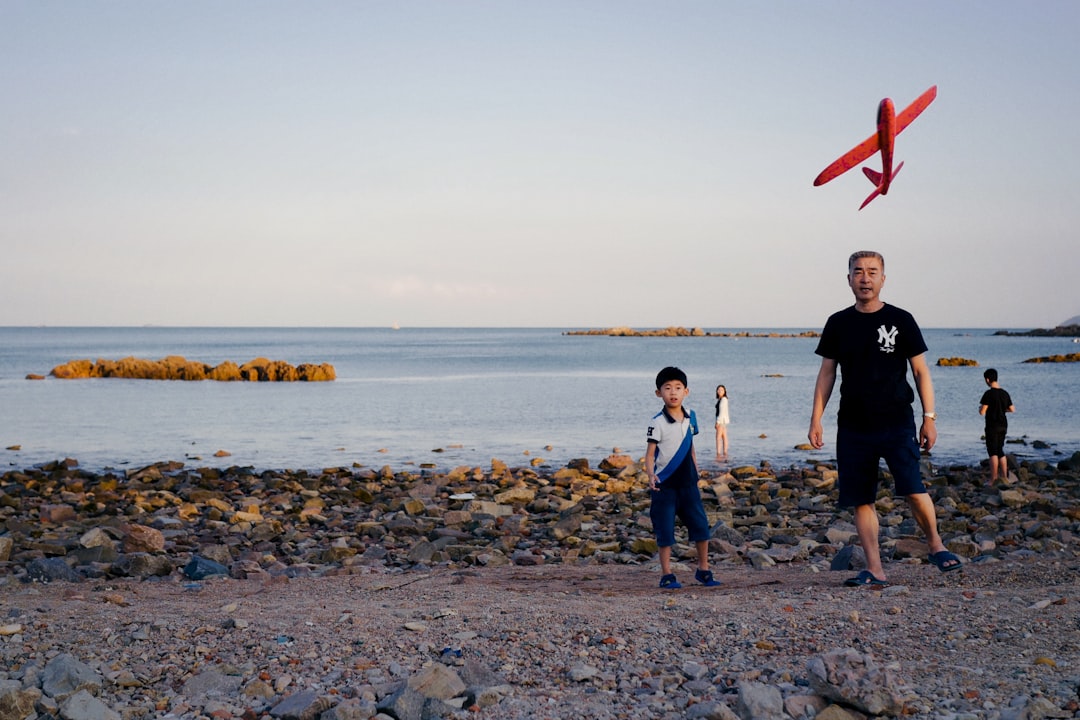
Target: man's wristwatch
931	415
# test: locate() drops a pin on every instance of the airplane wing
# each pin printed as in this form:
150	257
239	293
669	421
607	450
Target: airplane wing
904	118
852	157
870	145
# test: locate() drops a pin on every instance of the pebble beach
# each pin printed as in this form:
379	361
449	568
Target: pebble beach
526	592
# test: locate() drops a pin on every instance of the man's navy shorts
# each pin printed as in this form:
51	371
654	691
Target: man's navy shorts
858	453
684	502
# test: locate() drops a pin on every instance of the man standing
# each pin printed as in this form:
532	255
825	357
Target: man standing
873	343
994	405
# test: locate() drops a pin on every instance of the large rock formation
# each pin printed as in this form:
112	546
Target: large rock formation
175	367
676	331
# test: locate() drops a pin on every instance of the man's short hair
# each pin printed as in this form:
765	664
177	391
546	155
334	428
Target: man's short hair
990	374
864	254
668	374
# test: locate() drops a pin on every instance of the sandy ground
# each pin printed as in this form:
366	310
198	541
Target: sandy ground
962	644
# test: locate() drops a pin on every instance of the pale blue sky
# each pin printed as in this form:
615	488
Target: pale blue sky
559	164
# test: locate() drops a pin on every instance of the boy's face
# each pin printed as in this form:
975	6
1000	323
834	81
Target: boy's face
673	393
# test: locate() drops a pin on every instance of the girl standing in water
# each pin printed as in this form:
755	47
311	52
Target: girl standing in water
722	420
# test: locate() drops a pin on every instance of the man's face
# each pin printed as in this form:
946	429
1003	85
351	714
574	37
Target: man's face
866	279
672	393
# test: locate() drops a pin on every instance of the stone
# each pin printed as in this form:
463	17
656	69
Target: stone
51	569
143	565
304	705
760	701
142	539
84	706
15	701
64	675
200	568
849	677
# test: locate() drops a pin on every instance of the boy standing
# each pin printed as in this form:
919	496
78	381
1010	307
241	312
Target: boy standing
994	405
673	478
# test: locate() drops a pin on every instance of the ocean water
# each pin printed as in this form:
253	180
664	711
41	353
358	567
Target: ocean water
464	396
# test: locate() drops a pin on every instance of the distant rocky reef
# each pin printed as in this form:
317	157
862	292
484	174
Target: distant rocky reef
1071	357
175	367
684	332
957	362
1059	331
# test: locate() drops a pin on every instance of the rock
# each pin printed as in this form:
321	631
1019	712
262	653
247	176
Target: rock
84	706
580	672
64	676
17	702
200	568
760	702
304	705
142	539
142	565
855	679
437	681
175	367
956	362
51	569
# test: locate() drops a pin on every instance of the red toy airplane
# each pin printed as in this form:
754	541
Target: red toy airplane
889	125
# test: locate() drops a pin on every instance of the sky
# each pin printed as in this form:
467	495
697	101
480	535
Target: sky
531	164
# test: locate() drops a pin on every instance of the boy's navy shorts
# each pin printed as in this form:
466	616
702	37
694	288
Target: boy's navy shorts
858	453
995	440
684	502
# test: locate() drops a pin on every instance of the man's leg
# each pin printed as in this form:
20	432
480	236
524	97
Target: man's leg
922	508
665	560
866	523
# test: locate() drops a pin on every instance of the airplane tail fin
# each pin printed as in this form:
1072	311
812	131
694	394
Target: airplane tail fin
877	191
880	188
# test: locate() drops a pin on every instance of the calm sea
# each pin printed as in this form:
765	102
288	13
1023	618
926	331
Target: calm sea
464	396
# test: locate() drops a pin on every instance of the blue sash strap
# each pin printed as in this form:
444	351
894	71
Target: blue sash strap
680	454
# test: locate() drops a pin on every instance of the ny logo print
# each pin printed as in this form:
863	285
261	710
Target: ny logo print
887	338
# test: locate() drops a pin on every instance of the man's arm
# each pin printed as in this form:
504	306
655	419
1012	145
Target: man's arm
822	392
925	387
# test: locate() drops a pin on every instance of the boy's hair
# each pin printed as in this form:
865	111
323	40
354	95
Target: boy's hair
990	374
865	254
668	374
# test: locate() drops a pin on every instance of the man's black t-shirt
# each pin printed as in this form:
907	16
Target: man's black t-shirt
872	351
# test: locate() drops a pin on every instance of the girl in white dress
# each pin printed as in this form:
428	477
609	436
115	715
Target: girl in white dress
722	420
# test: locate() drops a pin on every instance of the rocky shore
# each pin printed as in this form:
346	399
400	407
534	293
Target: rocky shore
525	592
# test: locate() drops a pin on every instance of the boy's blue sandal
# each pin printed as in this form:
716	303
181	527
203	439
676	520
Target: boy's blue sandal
865	578
945	561
705	578
668	582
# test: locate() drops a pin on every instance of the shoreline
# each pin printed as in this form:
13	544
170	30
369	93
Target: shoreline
546	459
527	593
241	594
